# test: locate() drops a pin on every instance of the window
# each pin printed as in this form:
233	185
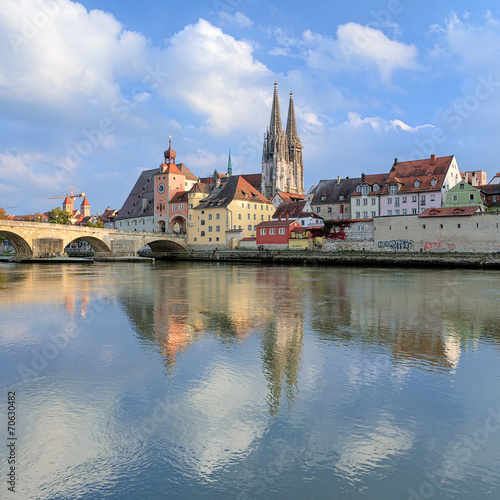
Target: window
181	206
209	216
397	212
217	216
255	206
365	190
249	227
262	217
389	212
393	189
196	239
358	215
414	199
217	229
389	201
248	216
405	199
374	214
341	197
248	205
405	212
462	186
365	201
358	202
423	226
190	205
471	197
209	239
365	215
376	187
361	229
416	183
318	210
202	233
202	222
433	197
374	201
396	202
209	229
239	216
414	211
272	231
358	188
254	216
422	199
281	230
329	210
455	197
440	226
217	239
263	231
433	182
458	226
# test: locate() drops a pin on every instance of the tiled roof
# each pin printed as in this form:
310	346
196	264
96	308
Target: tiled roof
292	209
423	171
290	197
277	223
300	230
85	202
201	187
371	180
235	188
179	196
491	194
329	191
143	188
449	211
254	179
108	215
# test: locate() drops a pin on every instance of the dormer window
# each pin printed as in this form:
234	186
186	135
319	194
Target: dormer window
365	189
433	181
341	197
323	197
376	187
416	183
393	189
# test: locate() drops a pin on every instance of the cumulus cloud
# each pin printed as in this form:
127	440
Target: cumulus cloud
379	124
216	76
356	48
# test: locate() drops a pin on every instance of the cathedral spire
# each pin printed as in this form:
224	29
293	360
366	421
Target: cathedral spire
275	123
291	125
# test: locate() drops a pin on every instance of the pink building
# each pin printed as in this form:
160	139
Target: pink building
413	186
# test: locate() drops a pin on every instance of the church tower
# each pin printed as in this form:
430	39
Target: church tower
282	167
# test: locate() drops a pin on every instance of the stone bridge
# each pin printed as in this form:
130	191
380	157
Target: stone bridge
33	240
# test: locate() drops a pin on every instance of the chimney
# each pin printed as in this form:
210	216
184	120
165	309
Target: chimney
279	217
362	177
338	180
287	217
395	162
433	159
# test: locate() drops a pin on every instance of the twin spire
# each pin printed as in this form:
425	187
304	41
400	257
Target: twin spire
275	126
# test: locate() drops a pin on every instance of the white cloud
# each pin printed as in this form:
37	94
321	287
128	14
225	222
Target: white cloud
355	48
239	19
216	76
380	125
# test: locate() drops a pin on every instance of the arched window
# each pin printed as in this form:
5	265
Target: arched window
202	233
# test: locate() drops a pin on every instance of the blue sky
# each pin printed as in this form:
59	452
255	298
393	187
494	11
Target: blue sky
90	91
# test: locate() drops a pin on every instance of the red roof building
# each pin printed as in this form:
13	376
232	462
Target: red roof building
275	232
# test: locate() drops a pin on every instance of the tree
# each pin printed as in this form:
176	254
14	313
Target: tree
3	214
58	216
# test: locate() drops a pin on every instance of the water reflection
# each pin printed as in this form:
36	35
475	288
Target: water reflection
271	381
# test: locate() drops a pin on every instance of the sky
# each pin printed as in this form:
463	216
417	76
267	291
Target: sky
91	91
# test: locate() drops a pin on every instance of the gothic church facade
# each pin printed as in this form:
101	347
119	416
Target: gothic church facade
282	165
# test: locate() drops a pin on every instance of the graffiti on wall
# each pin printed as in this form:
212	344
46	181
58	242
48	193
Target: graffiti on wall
440	246
397	245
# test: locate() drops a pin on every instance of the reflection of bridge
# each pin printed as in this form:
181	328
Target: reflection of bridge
38	239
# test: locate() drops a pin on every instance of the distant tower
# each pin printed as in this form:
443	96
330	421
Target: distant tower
282	166
67	205
229	166
85	207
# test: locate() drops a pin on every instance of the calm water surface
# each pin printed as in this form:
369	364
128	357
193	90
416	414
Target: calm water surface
182	380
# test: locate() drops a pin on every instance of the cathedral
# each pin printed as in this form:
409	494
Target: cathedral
282	165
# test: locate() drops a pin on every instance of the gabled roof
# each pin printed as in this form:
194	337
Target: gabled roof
201	187
85	202
180	196
292	209
108	215
450	211
289	197
235	188
371	180
406	173
279	223
143	188
254	179
329	191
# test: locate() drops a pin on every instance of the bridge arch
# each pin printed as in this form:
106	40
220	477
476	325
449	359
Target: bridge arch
21	246
98	245
164	245
177	224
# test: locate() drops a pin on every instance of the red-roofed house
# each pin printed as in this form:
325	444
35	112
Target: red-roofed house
413	186
281	197
276	233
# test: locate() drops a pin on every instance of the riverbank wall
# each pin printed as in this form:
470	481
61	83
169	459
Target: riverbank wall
316	258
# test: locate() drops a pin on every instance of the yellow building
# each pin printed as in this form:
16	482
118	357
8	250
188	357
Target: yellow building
230	212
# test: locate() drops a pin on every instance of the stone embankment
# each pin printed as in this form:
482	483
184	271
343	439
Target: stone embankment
399	259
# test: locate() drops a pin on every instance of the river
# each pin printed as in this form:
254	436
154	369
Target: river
206	380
